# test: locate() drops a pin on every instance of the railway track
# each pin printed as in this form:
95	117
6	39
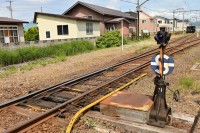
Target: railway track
44	104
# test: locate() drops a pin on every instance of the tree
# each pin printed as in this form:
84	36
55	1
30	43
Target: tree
32	34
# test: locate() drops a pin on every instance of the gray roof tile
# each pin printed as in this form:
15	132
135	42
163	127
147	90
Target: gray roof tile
11	20
102	10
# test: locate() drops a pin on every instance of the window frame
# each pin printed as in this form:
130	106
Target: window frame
47	34
12	33
62	31
89	28
144	21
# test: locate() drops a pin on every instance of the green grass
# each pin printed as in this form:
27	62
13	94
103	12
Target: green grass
32	53
8	71
30	65
89	122
141	49
186	82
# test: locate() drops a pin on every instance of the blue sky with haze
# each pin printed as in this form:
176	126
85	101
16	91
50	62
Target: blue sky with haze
24	9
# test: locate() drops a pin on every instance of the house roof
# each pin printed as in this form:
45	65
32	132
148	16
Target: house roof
161	17
101	10
147	15
133	14
61	16
185	20
117	20
11	20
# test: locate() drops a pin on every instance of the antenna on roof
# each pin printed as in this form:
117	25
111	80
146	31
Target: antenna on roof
10	7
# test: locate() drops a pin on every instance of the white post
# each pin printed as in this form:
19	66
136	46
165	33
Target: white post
183	23
122	26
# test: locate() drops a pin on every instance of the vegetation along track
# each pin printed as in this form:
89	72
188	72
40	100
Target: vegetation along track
41	105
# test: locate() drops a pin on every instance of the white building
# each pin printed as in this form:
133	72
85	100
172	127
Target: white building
179	25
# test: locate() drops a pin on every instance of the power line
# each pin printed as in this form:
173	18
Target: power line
186	2
155	10
128	2
10	8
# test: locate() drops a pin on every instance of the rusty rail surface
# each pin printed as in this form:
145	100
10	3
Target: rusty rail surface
34	97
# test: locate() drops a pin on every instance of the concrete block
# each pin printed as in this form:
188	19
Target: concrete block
130	106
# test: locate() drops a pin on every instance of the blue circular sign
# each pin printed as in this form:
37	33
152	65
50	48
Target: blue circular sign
168	64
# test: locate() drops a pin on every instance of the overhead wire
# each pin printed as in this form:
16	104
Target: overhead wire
156	10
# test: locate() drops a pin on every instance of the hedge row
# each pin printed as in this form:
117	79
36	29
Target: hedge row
31	53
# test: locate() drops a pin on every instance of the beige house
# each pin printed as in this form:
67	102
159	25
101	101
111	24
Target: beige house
54	26
11	30
110	19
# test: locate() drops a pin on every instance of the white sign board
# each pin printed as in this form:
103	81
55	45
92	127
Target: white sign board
7	39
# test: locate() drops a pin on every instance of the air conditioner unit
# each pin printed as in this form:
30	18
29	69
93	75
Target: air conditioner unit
7	39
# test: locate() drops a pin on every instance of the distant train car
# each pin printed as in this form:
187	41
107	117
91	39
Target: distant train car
190	29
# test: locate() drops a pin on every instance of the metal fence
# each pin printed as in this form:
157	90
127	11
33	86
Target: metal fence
13	46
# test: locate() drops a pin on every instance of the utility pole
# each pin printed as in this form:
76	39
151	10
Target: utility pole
138	19
183	23
10	8
122	27
173	20
41	8
138	14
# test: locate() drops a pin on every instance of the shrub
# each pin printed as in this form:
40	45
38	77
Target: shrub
110	39
32	53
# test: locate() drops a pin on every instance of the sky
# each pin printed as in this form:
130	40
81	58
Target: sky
24	9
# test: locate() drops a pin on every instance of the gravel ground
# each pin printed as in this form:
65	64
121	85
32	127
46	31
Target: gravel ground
22	82
183	62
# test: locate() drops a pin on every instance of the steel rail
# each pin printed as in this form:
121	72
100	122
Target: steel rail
41	116
22	98
5	104
60	108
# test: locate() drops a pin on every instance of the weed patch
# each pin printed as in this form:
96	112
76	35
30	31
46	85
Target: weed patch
186	82
89	122
32	53
8	71
141	49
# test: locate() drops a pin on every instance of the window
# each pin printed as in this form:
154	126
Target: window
130	30
144	21
1	36
62	29
48	34
89	28
90	17
160	22
110	27
9	31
